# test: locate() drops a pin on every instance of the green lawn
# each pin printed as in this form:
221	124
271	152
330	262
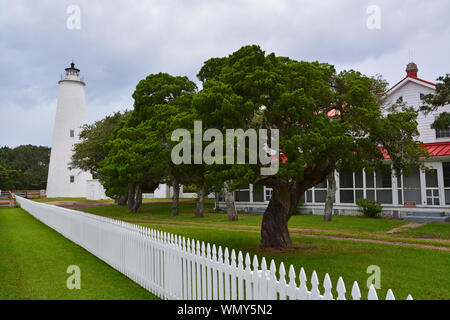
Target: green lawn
34	260
430	230
162	211
402	268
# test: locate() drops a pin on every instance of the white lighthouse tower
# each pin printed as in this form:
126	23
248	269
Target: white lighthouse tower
70	116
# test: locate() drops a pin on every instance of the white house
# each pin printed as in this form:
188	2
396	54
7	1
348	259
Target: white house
424	196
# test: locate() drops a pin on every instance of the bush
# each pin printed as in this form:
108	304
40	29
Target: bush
368	208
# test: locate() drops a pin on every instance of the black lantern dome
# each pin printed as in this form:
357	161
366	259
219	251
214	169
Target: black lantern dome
72	71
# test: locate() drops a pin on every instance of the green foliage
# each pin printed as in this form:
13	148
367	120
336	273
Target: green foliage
368	208
140	153
90	151
9	179
433	102
249	89
24	167
442	122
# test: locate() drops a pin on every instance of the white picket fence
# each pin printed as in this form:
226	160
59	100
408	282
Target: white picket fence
173	267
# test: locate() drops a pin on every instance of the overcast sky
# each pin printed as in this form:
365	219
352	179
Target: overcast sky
120	42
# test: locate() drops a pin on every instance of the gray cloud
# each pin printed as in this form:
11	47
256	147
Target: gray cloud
120	42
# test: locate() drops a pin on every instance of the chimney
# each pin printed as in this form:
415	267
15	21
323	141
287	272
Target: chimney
411	70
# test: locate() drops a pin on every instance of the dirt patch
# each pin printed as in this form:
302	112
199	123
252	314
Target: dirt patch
406	227
294	248
80	205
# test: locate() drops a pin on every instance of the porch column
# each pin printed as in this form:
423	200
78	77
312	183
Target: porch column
394	188
423	189
337	199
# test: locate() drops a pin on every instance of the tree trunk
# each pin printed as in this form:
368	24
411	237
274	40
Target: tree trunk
131	196
331	196
122	200
282	205
229	200
175	198
200	203
137	199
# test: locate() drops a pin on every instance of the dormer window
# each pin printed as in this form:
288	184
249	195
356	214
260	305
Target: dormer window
400	99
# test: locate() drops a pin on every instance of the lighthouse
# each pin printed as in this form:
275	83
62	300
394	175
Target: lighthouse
70	116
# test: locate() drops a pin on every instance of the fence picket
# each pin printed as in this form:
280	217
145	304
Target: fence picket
372	293
175	267
327	295
341	289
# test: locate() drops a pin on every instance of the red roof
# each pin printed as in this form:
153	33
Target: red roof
436	149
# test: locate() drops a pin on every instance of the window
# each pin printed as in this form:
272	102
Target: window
318	194
351	186
242	194
422	96
442	133
258	194
268	194
400	100
346	184
72	133
379	185
446	167
72	179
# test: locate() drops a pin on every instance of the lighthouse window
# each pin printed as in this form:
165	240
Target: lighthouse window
72	133
72	179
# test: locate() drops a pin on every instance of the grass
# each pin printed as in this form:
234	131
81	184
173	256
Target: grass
161	211
34	260
357	227
402	268
429	230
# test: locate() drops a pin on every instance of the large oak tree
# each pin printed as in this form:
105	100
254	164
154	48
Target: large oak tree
326	121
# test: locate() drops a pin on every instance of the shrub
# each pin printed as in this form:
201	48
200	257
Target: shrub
368	208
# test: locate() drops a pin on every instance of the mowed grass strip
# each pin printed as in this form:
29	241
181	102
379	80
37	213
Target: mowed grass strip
423	273
34	260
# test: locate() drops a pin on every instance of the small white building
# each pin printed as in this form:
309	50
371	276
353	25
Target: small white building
420	194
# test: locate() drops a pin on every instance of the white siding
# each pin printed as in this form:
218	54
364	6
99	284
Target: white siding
410	91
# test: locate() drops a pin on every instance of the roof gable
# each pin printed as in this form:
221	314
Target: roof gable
407	79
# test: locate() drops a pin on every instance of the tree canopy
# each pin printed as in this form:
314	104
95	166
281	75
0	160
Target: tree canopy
25	166
323	121
139	155
297	98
